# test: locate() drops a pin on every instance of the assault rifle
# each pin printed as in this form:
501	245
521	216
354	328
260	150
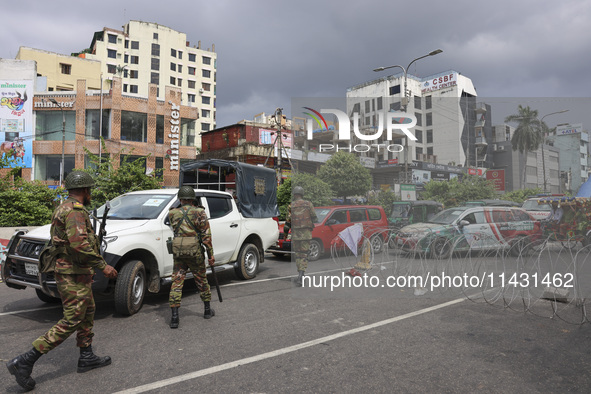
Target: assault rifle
102	232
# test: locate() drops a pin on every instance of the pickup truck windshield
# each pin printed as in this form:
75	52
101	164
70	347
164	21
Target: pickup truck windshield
447	217
136	206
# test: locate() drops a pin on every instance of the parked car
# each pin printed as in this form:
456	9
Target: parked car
137	229
536	210
334	219
471	228
492	203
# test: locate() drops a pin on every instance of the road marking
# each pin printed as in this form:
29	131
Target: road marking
279	352
30	310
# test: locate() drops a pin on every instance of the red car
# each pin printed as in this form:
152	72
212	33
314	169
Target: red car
334	219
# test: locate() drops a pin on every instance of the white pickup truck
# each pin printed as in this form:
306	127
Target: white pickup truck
137	229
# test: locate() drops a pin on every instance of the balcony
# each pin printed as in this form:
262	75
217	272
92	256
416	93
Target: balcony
481	141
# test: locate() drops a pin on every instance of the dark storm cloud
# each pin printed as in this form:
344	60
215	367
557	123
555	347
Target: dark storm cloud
271	51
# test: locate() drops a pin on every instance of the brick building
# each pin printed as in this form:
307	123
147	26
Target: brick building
161	130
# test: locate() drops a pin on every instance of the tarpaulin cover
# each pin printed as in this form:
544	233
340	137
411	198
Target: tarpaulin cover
256	187
585	189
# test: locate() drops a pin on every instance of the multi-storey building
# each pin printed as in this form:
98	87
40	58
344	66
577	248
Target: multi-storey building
573	143
146	53
63	71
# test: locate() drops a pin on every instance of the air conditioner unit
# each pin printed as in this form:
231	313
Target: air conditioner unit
501	147
201	90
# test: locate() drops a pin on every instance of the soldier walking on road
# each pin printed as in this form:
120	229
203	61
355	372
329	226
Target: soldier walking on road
191	234
301	218
78	257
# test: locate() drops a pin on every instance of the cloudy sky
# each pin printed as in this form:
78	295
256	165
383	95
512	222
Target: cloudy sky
271	51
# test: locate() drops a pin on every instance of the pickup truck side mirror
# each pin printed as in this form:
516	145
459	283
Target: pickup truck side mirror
463	223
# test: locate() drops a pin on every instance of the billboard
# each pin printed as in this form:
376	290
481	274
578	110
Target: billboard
498	179
16	121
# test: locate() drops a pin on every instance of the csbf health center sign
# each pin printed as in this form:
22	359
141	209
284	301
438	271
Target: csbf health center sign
16	122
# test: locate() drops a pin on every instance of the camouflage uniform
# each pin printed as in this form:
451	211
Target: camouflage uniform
71	229
301	216
195	264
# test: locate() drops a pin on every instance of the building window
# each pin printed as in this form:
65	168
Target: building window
430	151
191	70
66	68
419	118
205	113
155	36
395	106
135	45
112	38
155	64
172	81
159	129
134	126
133	89
192	57
367	106
429	136
191	98
172	66
126	58
155	49
205	126
205	100
155	78
380	105
394	90
93	123
206	60
417	102
179	82
124	88
47	167
206	86
179	67
419	135
181	55
112	53
191	84
126	44
187	132
135	59
429	119
418	151
49	125
133	74
428	102
172	52
111	68
206	74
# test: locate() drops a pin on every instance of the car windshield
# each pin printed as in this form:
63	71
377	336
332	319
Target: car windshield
400	211
136	206
447	217
532	205
321	213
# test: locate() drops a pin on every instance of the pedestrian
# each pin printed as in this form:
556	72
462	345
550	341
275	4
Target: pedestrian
78	257
191	235
301	218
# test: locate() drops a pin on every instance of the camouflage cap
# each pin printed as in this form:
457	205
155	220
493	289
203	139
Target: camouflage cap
186	193
78	180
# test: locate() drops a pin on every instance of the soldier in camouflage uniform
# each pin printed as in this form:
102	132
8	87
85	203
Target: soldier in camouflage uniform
78	257
300	218
190	221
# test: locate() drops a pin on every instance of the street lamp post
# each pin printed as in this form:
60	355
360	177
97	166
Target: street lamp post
54	101
544	141
405	99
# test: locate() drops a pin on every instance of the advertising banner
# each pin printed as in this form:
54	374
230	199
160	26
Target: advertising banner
16	121
498	179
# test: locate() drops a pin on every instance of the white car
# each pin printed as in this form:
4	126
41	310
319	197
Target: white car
537	211
135	244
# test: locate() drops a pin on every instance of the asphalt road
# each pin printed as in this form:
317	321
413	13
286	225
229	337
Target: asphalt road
268	336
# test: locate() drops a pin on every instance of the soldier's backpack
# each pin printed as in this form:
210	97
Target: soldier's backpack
185	246
48	257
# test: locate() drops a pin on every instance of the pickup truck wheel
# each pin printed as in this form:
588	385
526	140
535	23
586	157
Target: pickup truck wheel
441	249
248	262
130	288
47	298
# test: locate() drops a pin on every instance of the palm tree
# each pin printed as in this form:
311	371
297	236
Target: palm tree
528	133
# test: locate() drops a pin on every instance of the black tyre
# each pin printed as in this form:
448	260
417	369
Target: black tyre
315	250
130	288
519	247
47	298
248	262
441	249
377	243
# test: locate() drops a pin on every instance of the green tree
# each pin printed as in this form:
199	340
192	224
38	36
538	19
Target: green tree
345	175
528	133
316	191
521	195
385	198
455	192
112	182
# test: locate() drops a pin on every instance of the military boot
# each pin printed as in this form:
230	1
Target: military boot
209	313
174	320
22	366
88	360
300	279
